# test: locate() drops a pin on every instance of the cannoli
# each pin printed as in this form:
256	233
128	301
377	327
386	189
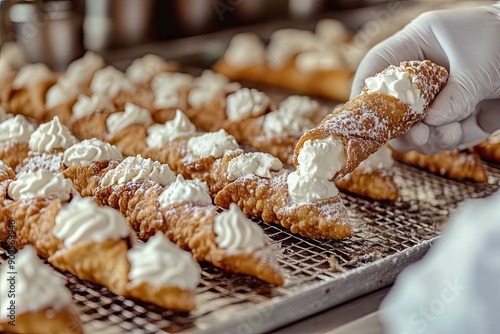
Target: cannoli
87	105
12	58
457	165
126	129
170	91
302	61
282	128
15	133
361	126
191	154
114	84
95	243
183	211
301	204
98	248
143	69
373	178
490	148
238	113
29	90
36	199
47	145
76	80
37	300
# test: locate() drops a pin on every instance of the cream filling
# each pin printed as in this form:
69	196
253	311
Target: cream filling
397	83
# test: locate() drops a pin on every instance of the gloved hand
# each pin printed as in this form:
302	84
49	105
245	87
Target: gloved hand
466	42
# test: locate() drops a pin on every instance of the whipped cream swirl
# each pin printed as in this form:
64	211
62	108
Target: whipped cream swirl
62	92
214	144
16	128
397	82
277	123
255	163
137	168
82	221
133	114
109	81
88	151
245	103
40	184
160	134
32	75
245	50
37	286
194	191
286	43
51	135
236	233
86	105
160	263
207	87
82	70
143	69
167	86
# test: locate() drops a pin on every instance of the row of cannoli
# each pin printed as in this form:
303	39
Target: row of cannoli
210	101
313	63
95	243
147	193
214	158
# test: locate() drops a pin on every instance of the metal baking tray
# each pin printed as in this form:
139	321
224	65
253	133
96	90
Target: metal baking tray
388	236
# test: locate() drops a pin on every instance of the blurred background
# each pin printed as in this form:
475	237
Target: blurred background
57	32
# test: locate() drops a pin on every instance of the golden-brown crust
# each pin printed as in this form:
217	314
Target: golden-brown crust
138	202
332	84
168	296
172	154
5	177
191	227
33	223
131	140
370	120
30	102
212	117
488	150
163	115
377	184
279	146
13	153
188	225
6	89
210	170
90	126
141	96
455	165
103	263
268	198
86	178
46	321
63	111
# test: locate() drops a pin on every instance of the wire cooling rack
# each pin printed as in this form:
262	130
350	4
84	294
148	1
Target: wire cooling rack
388	236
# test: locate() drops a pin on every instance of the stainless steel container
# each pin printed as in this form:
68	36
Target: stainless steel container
50	32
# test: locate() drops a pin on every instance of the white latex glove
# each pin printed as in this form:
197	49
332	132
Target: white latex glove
455	289
466	42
